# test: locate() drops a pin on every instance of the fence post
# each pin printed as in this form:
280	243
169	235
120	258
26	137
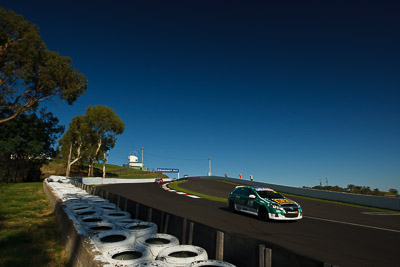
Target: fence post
126	204
219	248
166	223
265	256
268	257
149	214
184	231
137	211
190	238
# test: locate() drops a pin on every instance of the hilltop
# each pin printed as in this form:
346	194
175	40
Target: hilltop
112	171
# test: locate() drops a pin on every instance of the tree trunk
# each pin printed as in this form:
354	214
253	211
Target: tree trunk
95	156
69	162
104	164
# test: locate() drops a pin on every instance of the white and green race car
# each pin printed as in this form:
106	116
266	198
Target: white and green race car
266	203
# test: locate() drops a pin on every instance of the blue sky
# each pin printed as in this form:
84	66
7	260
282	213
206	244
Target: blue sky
289	92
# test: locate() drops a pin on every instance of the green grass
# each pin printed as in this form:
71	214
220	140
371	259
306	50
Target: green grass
175	186
112	171
28	235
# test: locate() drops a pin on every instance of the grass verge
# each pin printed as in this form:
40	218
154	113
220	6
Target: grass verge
112	171
28	235
175	186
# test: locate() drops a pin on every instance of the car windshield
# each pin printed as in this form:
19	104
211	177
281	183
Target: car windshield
269	194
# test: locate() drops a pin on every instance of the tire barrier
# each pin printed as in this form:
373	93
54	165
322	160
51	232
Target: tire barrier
91	219
155	263
86	212
182	255
114	238
140	229
107	206
99	227
79	206
210	263
128	255
124	221
157	242
96	200
114	215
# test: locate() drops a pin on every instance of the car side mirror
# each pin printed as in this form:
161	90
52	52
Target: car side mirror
252	196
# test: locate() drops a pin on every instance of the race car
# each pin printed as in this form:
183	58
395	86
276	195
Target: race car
265	203
158	180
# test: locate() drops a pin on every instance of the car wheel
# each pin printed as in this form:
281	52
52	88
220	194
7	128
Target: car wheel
262	213
231	206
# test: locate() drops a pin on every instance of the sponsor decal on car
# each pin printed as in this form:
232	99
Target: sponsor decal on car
282	200
265	203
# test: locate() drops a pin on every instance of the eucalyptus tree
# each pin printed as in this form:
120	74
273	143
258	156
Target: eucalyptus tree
29	72
90	136
77	142
107	125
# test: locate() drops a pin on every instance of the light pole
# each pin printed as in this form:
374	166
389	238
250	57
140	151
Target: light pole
209	166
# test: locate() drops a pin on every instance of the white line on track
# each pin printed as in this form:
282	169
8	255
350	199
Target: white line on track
354	224
165	187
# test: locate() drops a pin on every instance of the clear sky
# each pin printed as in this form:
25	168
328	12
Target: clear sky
290	92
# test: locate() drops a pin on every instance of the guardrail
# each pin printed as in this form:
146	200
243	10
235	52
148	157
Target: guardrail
390	203
219	244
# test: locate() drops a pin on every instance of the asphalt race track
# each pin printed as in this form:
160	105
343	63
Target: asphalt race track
333	233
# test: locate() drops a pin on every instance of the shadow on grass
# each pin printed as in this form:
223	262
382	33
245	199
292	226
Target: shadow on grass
28	246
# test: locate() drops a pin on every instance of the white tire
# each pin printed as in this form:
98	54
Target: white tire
99	227
113	238
78	206
122	222
98	201
91	219
116	215
64	181
157	242
86	212
71	200
210	263
127	255
151	264
140	229
106	207
182	255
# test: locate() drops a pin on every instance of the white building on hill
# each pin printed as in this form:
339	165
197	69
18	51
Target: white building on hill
134	163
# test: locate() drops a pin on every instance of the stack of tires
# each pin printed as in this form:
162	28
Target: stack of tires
124	241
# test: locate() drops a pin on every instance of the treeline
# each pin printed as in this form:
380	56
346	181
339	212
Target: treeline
356	189
30	74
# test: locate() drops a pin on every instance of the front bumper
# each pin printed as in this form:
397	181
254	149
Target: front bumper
283	217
